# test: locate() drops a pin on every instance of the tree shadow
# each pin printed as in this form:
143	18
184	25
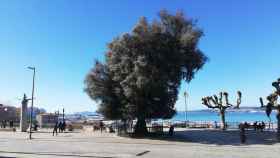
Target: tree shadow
218	137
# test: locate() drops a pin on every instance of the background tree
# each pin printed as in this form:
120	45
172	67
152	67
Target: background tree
221	103
272	104
144	69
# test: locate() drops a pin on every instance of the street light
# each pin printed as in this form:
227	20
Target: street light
32	100
186	108
63	115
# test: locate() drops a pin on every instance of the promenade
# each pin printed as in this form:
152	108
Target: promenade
194	144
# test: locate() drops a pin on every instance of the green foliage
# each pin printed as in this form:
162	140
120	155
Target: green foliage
101	88
144	69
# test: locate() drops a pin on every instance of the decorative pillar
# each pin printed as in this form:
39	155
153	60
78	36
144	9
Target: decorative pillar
23	114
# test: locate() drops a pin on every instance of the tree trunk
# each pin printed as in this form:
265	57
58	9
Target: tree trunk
140	127
278	125
222	114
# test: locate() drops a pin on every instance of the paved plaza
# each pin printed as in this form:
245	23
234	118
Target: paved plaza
105	145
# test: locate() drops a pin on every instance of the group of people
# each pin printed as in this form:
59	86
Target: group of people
4	123
259	126
100	126
59	127
256	125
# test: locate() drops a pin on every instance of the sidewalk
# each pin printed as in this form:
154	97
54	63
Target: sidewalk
106	145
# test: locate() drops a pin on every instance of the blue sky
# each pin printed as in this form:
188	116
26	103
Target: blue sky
62	38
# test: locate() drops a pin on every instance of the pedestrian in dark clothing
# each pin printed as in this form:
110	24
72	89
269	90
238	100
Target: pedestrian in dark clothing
216	124
60	127
242	133
171	130
262	126
101	125
246	125
35	127
255	125
4	123
55	128
11	124
63	126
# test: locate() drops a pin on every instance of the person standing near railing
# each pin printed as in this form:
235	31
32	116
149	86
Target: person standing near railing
242	132
171	130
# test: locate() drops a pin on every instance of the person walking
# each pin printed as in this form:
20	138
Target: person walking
101	125
171	130
11	123
55	128
35	126
63	126
4	123
59	127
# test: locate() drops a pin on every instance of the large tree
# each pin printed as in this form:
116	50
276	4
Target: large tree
143	70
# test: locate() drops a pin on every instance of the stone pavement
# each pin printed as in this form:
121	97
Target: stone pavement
97	145
89	145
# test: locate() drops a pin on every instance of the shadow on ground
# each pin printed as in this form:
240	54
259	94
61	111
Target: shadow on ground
219	137
50	154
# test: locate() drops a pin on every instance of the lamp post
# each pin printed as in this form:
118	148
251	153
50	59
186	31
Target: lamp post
186	108
7	116
58	115
32	101
63	115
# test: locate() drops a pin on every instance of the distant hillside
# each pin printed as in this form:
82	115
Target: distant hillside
241	109
86	113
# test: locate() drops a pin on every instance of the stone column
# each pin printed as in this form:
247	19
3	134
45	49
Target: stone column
23	115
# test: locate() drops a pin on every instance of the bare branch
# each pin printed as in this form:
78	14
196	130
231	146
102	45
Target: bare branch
207	101
221	98
261	101
216	99
239	96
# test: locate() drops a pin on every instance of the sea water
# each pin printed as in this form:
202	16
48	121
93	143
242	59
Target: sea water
230	116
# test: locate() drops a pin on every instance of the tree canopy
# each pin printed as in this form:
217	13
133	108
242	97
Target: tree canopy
143	69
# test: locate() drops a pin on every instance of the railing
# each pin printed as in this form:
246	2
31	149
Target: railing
215	124
159	126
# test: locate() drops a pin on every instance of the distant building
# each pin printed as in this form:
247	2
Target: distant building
8	113
46	119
